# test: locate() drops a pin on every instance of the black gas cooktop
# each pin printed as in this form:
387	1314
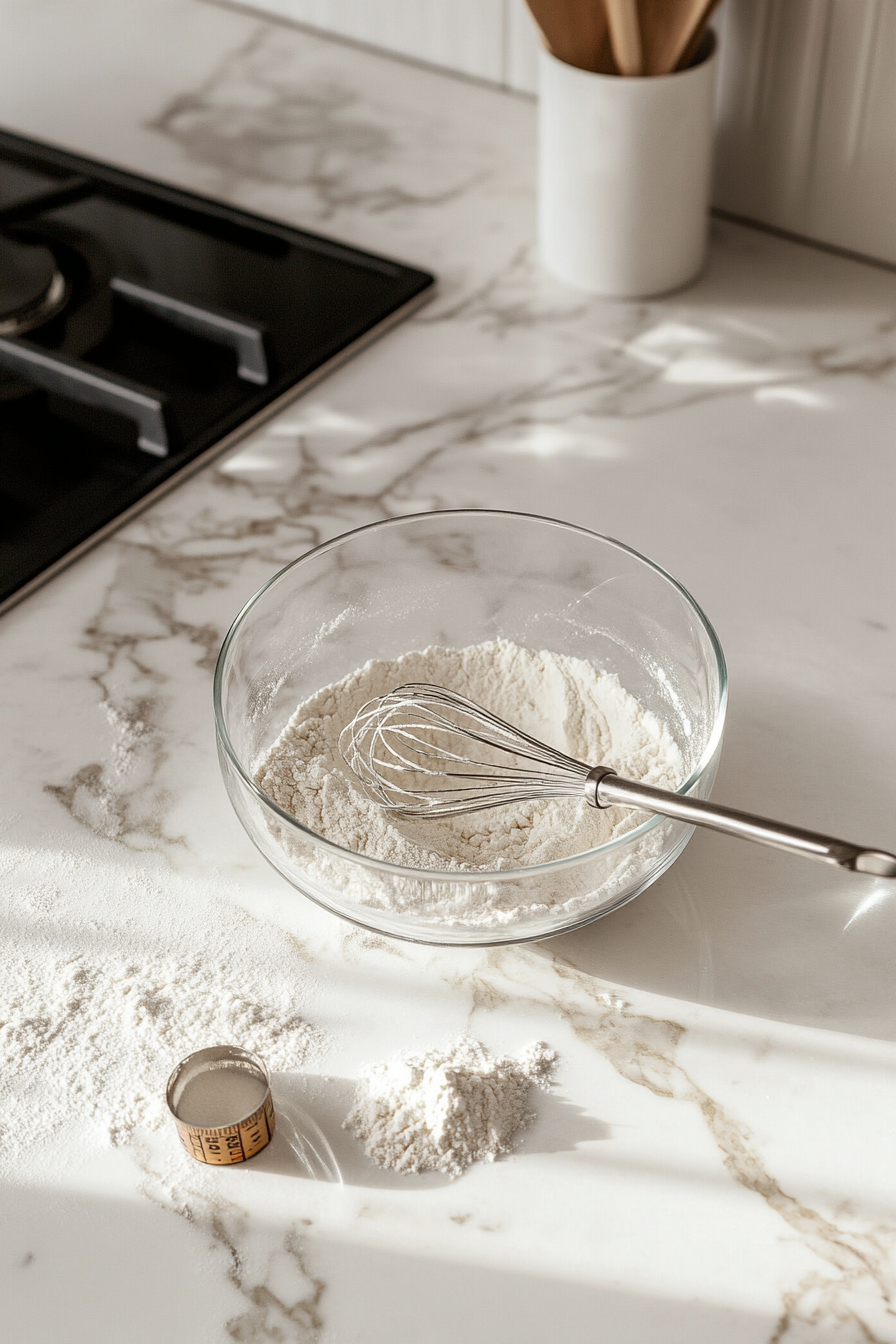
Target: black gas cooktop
142	330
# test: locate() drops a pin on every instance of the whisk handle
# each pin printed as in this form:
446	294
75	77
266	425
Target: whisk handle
609	789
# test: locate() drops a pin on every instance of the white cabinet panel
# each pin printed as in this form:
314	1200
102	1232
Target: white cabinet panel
853	185
772	57
807	119
464	35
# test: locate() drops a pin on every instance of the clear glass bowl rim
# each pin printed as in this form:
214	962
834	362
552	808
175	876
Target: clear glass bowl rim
462	875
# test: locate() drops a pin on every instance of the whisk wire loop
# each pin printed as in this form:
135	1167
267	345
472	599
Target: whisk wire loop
398	743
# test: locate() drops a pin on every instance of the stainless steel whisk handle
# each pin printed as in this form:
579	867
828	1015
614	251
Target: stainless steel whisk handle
604	788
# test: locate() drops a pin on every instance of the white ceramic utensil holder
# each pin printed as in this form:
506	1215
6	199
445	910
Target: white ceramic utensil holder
624	176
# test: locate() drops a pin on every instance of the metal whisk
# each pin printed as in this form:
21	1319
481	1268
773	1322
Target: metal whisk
426	752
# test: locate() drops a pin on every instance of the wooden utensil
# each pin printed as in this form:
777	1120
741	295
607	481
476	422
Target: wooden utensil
575	31
690	51
671	31
625	35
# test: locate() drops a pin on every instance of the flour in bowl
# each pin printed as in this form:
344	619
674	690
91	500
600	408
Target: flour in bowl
564	701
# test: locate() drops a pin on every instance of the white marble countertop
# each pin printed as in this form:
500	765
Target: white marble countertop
716	1163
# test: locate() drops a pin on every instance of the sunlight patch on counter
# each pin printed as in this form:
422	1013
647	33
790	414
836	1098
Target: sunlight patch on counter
573	438
795	396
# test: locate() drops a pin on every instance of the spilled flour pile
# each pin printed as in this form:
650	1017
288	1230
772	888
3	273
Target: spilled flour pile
445	1109
564	701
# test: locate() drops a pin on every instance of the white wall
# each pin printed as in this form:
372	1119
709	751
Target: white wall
489	39
807	119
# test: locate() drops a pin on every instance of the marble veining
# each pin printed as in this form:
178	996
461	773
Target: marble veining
643	1050
282	1298
716	1160
251	121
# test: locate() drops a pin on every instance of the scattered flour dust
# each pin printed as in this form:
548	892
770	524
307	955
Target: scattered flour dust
445	1109
111	1032
89	1036
565	701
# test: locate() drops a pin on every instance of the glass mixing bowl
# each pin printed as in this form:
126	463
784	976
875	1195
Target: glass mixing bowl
457	578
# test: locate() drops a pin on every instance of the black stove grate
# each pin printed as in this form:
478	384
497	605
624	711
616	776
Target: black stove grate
186	321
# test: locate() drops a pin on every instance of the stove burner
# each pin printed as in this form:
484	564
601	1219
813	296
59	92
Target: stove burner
32	287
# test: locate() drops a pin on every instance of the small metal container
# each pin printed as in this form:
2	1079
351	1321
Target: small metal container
233	1138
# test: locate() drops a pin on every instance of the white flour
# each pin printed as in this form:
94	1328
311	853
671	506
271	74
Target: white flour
88	1037
444	1109
562	700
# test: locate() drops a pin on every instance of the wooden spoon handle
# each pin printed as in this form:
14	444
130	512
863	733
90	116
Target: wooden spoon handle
671	31
575	31
690	50
625	35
